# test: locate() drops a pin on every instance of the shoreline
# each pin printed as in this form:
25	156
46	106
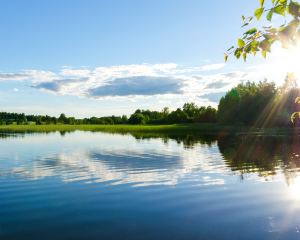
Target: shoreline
210	129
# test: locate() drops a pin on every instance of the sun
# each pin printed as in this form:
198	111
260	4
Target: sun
285	60
279	63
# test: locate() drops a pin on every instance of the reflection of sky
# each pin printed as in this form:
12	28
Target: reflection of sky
121	159
193	186
96	157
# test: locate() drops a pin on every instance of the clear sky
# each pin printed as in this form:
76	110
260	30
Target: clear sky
96	57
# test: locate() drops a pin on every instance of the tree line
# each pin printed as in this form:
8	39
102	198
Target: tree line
248	104
260	104
188	114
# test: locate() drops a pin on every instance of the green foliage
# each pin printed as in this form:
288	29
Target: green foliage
258	12
190	109
10	118
190	113
137	118
261	105
260	40
245	103
62	118
177	116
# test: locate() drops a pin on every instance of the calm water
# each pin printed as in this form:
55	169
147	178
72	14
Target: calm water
85	185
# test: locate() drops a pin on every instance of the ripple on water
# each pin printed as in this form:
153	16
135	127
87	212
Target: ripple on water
111	186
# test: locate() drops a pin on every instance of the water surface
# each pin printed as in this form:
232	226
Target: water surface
86	185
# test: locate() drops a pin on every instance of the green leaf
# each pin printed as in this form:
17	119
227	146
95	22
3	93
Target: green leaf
254	46
280	9
237	53
241	43
245	56
262	2
282	2
270	15
258	12
294	9
264	53
225	57
247	48
251	31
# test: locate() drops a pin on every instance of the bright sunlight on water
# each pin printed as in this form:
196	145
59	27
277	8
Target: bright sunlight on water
85	185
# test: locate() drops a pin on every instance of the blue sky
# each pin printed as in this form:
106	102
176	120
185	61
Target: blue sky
97	57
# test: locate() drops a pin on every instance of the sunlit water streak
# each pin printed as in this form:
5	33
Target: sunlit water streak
85	185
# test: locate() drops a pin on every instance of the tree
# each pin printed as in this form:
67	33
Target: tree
137	118
62	118
190	109
124	119
165	112
247	104
38	120
71	120
177	116
261	39
21	119
206	114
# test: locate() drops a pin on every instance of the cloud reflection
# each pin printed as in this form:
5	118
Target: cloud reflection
161	164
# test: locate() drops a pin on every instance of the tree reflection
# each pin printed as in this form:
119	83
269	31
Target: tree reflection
263	155
187	140
246	154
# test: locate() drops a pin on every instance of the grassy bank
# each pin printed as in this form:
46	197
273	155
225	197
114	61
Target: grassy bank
176	128
146	129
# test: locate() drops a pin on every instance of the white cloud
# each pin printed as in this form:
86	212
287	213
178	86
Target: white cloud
210	67
37	76
13	76
132	81
75	72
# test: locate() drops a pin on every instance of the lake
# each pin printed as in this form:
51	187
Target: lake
92	185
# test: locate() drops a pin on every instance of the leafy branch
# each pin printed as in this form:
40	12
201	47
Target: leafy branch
260	40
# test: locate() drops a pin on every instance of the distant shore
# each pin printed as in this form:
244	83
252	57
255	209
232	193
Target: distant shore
163	129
